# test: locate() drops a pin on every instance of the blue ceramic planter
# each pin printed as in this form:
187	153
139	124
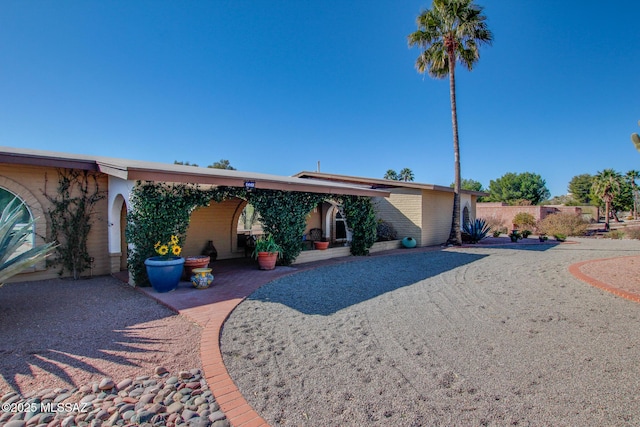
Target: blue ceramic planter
409	242
164	273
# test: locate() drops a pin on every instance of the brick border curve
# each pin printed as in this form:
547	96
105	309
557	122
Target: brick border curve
574	269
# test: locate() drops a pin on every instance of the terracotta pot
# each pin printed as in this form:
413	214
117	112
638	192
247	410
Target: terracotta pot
267	260
321	245
192	262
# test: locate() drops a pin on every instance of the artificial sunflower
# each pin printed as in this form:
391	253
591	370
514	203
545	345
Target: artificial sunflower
173	247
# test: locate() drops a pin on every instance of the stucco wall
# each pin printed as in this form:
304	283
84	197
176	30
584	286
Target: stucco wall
436	217
506	213
31	183
217	222
403	209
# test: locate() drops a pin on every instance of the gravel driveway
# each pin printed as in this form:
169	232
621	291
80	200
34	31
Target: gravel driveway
466	336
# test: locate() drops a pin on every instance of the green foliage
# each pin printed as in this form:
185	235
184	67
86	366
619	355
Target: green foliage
563	223
175	162
580	188
560	237
405	174
526	233
515	235
476	230
385	231
71	213
283	215
13	234
361	218
512	188
524	220
266	243
160	211
222	164
469	184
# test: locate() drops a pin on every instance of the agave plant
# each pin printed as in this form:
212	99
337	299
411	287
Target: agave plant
476	230
12	237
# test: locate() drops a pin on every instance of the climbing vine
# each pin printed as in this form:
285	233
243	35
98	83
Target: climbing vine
361	218
161	210
283	214
71	213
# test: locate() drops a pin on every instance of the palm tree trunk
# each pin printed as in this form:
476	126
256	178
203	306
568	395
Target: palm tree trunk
455	236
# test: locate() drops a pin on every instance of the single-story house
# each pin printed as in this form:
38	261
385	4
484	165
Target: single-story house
422	211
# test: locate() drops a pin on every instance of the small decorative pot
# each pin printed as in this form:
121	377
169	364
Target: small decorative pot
409	242
201	278
193	262
321	245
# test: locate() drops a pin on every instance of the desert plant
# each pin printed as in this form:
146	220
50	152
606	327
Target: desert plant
560	237
616	234
386	231
563	223
633	233
496	233
476	230
515	236
497	225
12	236
526	233
524	220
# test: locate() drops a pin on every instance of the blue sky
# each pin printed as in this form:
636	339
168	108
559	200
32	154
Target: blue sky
276	86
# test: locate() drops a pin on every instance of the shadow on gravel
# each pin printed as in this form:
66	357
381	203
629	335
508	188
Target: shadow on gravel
55	324
326	290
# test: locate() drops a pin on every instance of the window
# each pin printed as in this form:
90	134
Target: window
25	217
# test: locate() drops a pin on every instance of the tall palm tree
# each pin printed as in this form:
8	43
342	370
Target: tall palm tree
391	174
451	31
405	175
606	185
632	176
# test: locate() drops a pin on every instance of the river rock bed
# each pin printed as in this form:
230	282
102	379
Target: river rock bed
163	399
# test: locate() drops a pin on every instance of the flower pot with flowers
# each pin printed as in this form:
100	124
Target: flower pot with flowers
266	252
165	270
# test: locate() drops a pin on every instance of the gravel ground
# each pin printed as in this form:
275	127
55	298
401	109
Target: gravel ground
466	336
65	333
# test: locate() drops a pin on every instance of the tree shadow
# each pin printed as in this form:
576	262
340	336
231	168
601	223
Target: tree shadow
55	325
326	290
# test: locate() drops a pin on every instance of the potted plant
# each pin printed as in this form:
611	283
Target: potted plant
515	236
543	237
266	252
165	270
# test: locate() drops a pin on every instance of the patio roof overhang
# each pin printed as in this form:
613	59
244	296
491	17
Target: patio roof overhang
135	170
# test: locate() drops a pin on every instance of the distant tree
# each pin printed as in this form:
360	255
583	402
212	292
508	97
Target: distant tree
632	176
470	185
405	175
606	185
175	162
222	164
514	188
580	188
451	31
391	174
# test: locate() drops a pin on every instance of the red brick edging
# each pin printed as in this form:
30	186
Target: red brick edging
575	270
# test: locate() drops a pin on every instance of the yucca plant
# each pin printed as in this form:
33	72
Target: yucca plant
11	239
476	230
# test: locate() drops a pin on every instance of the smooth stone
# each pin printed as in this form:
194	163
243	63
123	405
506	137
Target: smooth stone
187	414
62	397
17	423
128	414
216	416
221	423
160	370
102	415
106	384
68	422
145	416
185	374
6	396
124	384
198	422
88	398
174	407
172	380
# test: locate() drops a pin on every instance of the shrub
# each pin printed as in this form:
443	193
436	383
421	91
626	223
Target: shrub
385	231
476	230
563	223
633	233
615	234
526	233
497	225
524	220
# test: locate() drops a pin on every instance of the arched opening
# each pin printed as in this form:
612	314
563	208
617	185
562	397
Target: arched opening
123	239
465	215
6	197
